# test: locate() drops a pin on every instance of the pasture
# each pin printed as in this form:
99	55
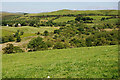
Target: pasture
64	19
26	29
83	62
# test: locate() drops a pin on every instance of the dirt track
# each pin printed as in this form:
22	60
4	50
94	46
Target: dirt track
21	44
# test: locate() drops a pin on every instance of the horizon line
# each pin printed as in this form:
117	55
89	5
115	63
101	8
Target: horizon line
57	10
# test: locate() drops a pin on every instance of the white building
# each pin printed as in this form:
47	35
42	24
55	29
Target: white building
19	25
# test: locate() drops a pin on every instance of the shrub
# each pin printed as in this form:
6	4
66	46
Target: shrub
59	45
35	25
0	40
113	42
8	49
103	18
38	33
21	33
18	39
17	49
17	33
78	43
7	39
11	38
45	33
37	44
4	39
49	44
66	45
11	49
88	41
56	31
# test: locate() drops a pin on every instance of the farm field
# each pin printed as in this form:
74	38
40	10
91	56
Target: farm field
83	62
97	19
27	29
64	19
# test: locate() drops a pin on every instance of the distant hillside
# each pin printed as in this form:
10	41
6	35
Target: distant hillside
10	14
75	12
65	12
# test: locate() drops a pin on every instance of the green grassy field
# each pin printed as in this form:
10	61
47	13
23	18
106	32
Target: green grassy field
97	19
64	11
84	62
26	29
64	19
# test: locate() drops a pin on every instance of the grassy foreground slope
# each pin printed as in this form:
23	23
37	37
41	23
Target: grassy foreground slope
84	62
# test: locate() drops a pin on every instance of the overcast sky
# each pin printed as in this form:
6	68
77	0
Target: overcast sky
60	0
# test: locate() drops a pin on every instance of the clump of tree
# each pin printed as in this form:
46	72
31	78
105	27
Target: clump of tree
17	35
84	19
46	33
59	45
38	33
103	18
37	44
10	48
49	44
18	39
102	38
77	43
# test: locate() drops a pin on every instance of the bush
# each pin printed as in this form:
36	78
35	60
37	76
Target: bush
17	49
45	33
113	43
49	44
56	31
35	25
89	41
17	33
8	49
103	18
78	43
0	40
38	33
18	39
66	45
59	45
7	39
37	44
21	33
11	38
11	49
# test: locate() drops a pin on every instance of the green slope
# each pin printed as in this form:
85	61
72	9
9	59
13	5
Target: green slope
26	29
64	19
64	12
84	62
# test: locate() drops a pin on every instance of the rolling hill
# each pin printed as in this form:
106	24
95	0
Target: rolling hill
65	12
83	62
